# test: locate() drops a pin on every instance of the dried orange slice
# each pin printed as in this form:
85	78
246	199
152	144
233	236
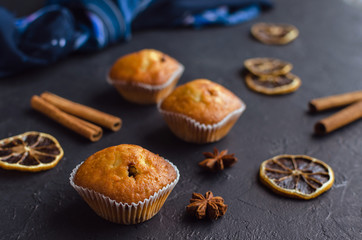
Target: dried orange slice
30	151
296	176
267	66
272	33
272	85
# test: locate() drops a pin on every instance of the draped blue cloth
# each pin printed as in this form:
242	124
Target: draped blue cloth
65	26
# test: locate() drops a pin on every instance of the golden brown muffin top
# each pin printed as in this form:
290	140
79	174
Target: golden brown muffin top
147	66
125	173
202	100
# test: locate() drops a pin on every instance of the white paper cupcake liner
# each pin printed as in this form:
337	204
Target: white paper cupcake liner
124	213
146	93
193	131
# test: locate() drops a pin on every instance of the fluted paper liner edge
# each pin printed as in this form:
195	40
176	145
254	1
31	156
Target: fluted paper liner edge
145	93
124	213
191	130
176	74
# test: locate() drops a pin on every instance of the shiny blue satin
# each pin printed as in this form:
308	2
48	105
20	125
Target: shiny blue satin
66	26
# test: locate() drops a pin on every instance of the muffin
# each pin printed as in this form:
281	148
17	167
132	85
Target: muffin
126	184
201	111
146	76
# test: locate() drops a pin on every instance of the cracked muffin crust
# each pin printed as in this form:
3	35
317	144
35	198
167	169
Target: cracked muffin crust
202	100
146	76
147	66
125	173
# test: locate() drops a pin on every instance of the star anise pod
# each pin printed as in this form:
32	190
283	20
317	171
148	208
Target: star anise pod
208	206
217	160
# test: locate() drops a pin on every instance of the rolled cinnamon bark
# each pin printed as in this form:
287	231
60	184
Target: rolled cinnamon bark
86	129
339	119
79	110
320	104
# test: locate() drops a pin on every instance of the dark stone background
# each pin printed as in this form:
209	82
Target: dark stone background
327	56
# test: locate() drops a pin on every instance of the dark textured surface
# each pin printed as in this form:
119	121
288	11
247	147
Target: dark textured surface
327	57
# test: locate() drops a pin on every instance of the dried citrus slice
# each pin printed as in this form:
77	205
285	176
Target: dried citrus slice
30	151
297	176
267	66
272	33
272	85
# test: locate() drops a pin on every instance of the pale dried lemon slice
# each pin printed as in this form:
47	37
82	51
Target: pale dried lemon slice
272	85
30	151
273	33
267	66
296	176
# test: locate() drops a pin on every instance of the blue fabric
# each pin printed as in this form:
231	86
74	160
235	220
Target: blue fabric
222	15
66	26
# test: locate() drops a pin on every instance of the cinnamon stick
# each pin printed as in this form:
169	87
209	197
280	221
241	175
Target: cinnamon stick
86	129
320	104
79	110
339	119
